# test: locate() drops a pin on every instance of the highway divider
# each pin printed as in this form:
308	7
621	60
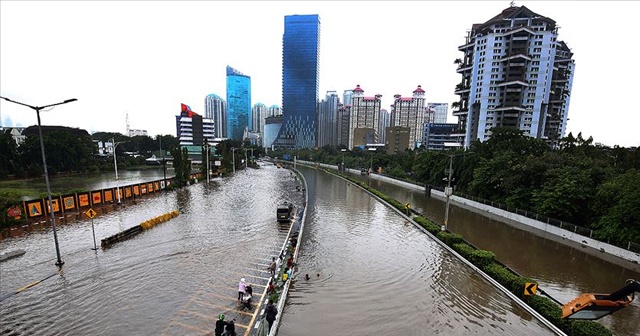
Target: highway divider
135	230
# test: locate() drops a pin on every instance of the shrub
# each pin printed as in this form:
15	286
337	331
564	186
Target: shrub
450	238
588	328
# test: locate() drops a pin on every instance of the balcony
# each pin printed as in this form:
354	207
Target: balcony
462	89
467	46
465	67
460	112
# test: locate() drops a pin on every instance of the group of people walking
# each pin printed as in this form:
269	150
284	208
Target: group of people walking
245	293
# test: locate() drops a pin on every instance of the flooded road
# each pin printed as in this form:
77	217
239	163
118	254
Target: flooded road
373	273
370	271
564	272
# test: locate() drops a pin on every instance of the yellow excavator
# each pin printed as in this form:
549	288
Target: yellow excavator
590	306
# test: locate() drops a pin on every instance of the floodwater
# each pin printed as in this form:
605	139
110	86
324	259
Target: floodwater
373	273
562	271
171	280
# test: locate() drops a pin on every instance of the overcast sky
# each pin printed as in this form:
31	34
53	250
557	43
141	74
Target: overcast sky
145	58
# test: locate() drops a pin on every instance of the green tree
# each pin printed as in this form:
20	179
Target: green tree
621	198
8	155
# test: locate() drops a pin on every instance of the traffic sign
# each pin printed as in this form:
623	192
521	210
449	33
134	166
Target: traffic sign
530	288
91	213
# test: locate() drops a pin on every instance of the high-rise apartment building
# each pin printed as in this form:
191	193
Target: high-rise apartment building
274	110
300	80
238	103
258	113
216	108
327	115
437	113
192	129
364	118
410	112
515	73
344	114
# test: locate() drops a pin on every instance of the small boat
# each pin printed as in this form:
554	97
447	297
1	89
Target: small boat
284	213
11	254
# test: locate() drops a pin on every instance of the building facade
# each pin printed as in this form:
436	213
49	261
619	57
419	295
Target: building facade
515	73
215	108
272	127
344	114
364	114
438	136
398	139
327	116
385	121
274	110
437	113
192	129
410	112
238	103
300	81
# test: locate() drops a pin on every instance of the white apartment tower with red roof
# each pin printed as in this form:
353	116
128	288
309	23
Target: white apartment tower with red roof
364	118
410	112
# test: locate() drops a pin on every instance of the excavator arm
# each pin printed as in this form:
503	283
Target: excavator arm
594	306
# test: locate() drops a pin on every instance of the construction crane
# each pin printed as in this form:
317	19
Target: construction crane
590	306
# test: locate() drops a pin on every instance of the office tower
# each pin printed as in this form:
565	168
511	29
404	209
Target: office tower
238	103
327	115
300	80
438	136
515	73
216	108
410	112
364	121
274	110
385	121
192	129
437	113
272	126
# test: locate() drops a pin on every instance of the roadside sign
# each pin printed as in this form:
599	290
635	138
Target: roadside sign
530	288
91	213
217	163
446	171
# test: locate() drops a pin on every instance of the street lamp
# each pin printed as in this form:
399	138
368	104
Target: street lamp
233	158
343	151
59	262
448	191
207	146
115	164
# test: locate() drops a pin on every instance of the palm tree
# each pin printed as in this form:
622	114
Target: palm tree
457	61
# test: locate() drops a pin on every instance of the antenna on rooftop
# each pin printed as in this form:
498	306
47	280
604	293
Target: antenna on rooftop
513	3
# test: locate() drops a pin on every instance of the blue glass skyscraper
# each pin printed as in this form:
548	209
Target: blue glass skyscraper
238	103
300	78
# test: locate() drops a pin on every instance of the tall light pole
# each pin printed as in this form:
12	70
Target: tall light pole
207	146
233	158
115	164
448	191
59	261
343	151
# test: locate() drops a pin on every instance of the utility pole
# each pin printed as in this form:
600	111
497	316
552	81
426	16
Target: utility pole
448	191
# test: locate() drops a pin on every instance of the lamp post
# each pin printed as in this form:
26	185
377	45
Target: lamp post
343	151
233	158
115	164
206	148
164	165
59	261
448	191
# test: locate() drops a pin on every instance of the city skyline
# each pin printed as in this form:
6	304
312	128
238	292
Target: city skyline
146	65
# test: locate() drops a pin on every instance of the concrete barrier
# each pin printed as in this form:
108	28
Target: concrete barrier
135	230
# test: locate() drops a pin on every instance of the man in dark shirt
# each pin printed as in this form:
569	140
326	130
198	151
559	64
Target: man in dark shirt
220	323
271	313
